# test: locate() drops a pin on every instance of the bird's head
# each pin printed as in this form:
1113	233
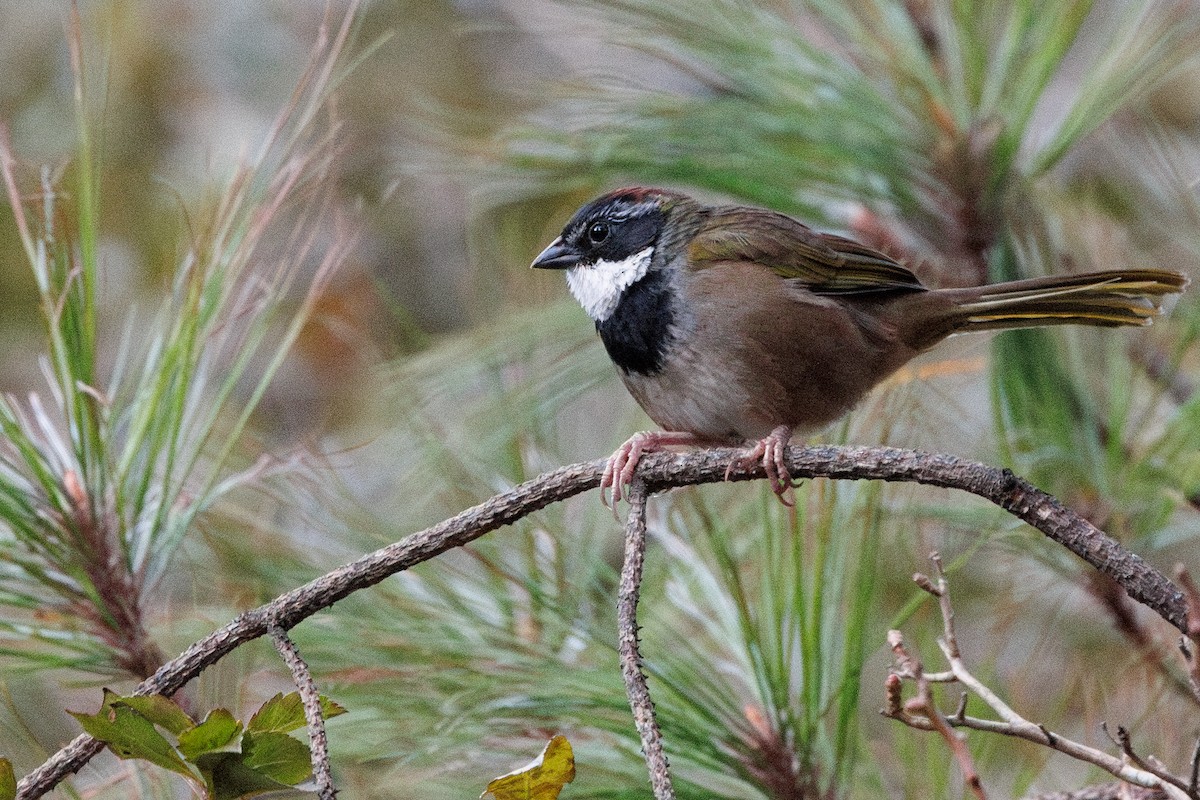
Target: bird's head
609	244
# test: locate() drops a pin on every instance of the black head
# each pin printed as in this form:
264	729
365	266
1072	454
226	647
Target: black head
611	229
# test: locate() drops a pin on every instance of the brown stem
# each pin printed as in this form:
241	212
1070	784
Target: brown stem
318	743
118	619
627	644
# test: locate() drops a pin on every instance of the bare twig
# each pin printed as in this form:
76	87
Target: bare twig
1191	643
1107	791
1142	772
631	659
318	743
908	666
950	638
1150	764
659	471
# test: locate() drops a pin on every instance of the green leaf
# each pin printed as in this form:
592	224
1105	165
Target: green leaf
162	711
229	778
278	756
280	714
330	709
285	712
130	735
218	730
8	781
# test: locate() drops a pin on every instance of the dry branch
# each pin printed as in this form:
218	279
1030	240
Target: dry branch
922	713
318	743
631	660
659	471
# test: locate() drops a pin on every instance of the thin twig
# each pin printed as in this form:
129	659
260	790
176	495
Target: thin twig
1107	791
660	471
627	632
1150	764
908	666
318	743
943	595
1132	768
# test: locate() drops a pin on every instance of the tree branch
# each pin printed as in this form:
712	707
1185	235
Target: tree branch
311	698
659	471
631	660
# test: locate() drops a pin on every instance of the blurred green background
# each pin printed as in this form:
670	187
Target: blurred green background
980	141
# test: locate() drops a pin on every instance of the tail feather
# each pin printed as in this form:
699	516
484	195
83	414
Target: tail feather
1108	299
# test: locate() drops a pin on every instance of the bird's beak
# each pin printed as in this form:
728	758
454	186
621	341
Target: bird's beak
558	255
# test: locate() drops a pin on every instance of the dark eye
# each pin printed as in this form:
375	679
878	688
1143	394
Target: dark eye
598	232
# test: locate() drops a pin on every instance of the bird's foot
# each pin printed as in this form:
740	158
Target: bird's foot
618	472
770	451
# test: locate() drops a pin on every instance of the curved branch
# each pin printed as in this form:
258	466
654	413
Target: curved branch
659	471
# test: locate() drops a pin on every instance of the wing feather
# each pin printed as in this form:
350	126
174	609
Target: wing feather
825	263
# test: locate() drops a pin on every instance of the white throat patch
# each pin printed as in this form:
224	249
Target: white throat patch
599	287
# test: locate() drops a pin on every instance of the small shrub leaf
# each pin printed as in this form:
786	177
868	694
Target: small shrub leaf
330	709
228	777
218	730
278	756
130	735
8	780
285	712
280	714
541	779
162	711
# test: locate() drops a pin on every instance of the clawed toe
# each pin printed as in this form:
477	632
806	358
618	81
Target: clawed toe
752	458
771	452
618	472
777	472
621	466
606	482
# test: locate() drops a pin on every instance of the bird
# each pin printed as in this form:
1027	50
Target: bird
732	324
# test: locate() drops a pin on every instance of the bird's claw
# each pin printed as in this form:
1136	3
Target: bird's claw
618	472
771	452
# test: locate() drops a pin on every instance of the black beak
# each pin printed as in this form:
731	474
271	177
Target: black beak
558	255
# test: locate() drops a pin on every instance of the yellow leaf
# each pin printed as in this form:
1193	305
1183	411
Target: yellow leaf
540	779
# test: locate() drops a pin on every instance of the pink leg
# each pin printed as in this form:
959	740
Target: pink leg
618	472
770	452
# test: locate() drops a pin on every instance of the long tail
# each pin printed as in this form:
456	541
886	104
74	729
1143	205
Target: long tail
1108	299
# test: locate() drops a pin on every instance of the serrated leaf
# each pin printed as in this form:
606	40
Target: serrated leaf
280	714
330	709
130	735
541	779
228	777
162	711
285	712
8	780
218	730
278	756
